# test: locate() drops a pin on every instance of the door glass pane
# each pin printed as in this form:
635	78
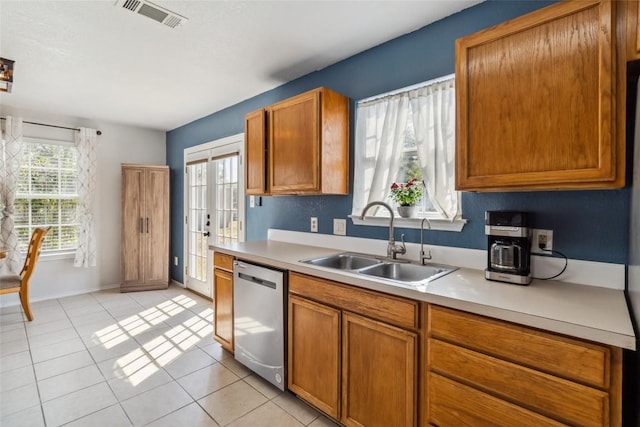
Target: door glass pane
226	188
198	246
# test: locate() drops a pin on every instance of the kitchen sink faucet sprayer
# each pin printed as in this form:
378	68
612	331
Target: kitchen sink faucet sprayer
392	249
423	256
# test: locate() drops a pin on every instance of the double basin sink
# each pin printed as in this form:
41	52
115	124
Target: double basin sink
398	272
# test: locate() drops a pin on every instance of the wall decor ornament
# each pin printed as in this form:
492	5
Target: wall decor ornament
6	74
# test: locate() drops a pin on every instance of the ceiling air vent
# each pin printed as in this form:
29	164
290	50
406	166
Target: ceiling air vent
153	11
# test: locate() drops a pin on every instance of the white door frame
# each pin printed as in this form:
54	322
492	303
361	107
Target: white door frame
230	144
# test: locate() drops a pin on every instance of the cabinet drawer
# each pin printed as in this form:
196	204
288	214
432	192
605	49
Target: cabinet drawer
454	404
391	309
566	357
554	397
223	261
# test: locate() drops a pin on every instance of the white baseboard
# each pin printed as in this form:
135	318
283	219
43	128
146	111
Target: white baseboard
9	300
591	273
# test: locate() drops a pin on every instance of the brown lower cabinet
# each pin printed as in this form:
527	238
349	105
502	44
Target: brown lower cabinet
486	372
345	360
369	359
223	300
379	386
314	354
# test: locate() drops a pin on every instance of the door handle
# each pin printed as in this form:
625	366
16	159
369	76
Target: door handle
206	234
147	225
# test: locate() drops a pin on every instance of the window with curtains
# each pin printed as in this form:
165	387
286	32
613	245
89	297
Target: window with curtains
47	194
406	134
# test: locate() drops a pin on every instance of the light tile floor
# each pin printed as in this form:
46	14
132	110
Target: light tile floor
140	358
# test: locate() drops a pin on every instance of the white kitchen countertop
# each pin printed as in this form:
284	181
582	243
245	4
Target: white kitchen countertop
588	312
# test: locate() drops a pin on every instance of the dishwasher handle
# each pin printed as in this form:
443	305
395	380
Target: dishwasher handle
257	280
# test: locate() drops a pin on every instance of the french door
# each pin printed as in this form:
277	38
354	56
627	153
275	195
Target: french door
197	227
214	206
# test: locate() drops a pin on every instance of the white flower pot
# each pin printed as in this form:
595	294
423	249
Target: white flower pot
408	211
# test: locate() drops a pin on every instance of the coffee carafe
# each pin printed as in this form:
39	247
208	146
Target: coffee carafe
509	247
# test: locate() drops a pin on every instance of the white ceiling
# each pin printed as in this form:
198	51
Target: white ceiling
90	59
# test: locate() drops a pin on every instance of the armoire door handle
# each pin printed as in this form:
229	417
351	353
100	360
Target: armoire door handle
147	225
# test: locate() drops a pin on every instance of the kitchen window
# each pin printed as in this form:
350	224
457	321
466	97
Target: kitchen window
406	134
47	195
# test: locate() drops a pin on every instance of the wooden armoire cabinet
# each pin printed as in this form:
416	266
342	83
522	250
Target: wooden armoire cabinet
145	227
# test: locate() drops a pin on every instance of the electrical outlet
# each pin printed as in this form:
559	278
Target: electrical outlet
314	224
175	260
252	201
340	227
542	238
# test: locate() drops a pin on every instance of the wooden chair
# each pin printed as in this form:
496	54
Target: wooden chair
20	282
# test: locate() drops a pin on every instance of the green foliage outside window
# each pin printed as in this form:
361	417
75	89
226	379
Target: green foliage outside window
47	195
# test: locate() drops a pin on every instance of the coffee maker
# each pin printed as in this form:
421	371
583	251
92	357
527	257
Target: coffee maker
509	247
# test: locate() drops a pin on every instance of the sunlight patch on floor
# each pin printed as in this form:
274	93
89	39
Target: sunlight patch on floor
140	364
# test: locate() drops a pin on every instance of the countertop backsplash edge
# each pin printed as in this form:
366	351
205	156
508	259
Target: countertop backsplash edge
590	273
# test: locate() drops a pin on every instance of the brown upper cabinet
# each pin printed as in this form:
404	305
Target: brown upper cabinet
536	102
299	145
631	25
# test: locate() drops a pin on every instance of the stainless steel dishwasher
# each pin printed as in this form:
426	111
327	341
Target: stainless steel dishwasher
258	316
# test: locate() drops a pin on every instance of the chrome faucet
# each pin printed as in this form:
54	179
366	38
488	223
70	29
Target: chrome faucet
423	256
392	249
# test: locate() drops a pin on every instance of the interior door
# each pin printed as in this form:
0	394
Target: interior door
197	226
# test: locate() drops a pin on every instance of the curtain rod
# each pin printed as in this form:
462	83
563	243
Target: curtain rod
407	88
98	132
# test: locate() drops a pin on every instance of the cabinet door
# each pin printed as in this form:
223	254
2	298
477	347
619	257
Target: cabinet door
637	25
156	227
314	354
132	226
536	99
379	377
630	20
255	153
294	148
223	308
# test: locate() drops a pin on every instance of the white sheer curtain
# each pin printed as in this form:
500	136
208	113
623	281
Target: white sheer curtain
86	143
380	131
10	159
433	111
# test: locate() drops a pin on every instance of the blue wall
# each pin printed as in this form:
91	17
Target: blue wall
589	225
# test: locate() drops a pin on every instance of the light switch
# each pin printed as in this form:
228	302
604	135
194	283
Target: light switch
340	226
